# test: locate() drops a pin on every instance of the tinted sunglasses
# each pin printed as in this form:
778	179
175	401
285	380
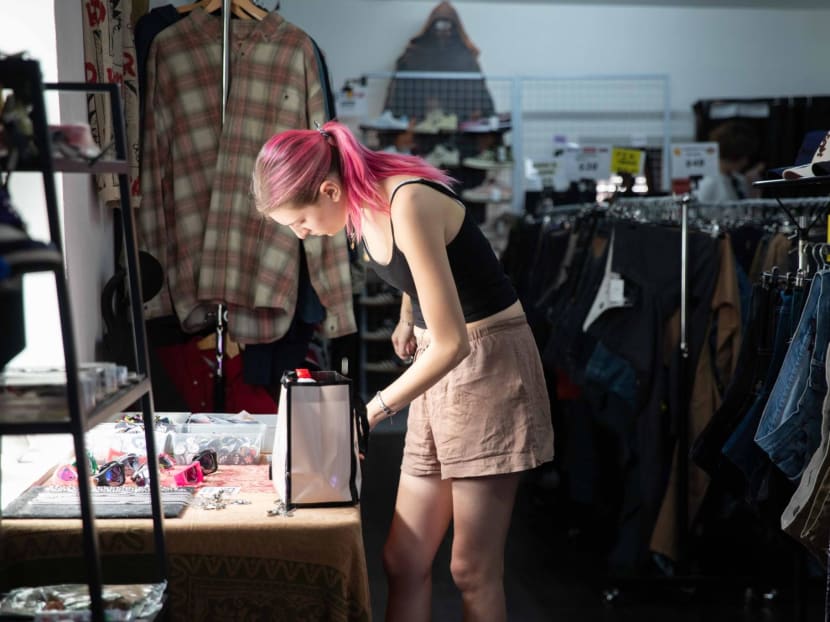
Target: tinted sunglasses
111	474
140	476
208	459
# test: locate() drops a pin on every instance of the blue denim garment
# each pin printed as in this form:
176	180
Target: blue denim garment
790	427
613	373
740	448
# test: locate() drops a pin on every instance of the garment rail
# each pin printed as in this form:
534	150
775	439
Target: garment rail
803	214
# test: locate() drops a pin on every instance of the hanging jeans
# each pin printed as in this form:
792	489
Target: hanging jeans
790	427
740	448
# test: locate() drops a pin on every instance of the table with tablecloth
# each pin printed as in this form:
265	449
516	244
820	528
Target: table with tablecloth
235	563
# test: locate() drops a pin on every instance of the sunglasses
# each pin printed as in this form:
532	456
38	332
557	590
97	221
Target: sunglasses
111	474
204	462
115	472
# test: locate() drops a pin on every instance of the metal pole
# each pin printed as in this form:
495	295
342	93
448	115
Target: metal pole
682	505
226	54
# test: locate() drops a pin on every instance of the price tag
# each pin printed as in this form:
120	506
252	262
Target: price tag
590	163
616	290
547	172
351	101
694	160
627	161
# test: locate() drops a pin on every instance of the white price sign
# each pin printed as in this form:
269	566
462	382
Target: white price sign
591	163
694	160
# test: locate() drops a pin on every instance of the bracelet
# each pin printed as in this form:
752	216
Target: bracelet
386	410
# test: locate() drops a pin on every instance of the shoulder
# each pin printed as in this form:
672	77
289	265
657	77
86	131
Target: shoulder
420	210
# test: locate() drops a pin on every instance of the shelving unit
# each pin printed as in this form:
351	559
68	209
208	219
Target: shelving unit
23	77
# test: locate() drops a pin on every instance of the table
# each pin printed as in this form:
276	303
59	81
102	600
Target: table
237	563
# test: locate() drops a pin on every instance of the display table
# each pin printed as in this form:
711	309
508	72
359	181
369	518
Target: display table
237	563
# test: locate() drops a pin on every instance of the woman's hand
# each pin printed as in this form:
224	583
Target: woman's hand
403	340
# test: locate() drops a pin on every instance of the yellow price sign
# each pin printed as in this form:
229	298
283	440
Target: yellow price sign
627	160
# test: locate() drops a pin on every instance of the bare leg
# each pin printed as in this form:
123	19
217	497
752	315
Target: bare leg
422	515
482	507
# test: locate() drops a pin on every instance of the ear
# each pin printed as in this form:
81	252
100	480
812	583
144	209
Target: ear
331	189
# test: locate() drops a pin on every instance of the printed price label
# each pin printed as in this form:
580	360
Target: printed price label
694	160
591	163
627	161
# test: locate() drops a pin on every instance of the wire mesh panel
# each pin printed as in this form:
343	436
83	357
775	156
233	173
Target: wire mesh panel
539	113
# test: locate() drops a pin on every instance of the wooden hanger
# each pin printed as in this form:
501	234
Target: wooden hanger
243	9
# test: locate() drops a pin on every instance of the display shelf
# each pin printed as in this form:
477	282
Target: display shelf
23	76
72	165
49	420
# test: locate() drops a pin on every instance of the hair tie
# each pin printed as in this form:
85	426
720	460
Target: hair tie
320	129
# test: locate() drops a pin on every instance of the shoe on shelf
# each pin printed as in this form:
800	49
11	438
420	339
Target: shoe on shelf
436	121
490	159
379	300
383	366
382	333
486	125
443	156
489	192
387	121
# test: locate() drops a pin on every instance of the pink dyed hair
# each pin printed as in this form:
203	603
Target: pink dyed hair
292	164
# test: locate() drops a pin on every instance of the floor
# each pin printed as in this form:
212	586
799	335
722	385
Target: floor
550	577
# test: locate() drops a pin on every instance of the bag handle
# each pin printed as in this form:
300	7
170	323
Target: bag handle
361	425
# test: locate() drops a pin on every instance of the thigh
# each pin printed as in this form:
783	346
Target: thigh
423	510
482	507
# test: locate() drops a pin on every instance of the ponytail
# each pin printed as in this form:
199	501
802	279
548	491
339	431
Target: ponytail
293	164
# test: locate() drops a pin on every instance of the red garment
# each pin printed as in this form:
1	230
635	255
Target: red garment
191	370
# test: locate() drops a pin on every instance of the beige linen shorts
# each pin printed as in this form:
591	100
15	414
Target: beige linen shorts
490	415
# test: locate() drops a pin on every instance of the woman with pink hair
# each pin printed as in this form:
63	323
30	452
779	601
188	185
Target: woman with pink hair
479	413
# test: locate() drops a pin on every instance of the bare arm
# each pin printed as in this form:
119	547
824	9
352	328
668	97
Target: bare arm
419	221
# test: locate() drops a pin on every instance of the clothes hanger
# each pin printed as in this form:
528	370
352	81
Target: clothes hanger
243	9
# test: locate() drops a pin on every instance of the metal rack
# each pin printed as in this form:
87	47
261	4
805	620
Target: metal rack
24	76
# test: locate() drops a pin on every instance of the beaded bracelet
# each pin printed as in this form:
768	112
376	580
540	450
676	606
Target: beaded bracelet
386	410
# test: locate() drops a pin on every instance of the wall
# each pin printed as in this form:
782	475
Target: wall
30	26
706	51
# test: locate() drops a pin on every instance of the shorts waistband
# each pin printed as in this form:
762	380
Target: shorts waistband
480	332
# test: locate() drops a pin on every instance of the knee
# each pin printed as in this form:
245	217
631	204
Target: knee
405	562
470	574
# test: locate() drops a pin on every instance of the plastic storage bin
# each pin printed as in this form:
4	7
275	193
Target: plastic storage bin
235	442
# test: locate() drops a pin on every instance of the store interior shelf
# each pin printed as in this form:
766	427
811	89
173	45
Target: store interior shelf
794	184
57	421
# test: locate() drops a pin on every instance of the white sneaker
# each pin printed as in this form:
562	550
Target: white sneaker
443	156
436	121
388	121
489	160
488	192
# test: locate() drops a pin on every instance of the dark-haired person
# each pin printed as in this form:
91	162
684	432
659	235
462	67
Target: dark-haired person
479	413
738	145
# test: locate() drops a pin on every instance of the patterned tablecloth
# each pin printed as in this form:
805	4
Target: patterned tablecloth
237	563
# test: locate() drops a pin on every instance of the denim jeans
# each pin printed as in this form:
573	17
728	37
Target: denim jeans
790	427
740	447
806	516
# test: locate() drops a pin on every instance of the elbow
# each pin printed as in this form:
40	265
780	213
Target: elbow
461	351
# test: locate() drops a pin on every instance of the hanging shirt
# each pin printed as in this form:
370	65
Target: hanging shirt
197	214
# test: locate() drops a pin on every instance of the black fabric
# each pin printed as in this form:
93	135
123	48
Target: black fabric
11	319
483	288
325	82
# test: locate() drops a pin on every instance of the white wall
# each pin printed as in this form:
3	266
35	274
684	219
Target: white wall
30	26
706	52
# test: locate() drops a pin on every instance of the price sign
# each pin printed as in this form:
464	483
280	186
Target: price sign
547	172
351	101
627	161
694	160
591	163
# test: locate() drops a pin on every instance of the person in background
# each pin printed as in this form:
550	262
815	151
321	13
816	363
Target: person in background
738	145
479	412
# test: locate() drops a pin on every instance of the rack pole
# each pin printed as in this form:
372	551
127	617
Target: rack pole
681	416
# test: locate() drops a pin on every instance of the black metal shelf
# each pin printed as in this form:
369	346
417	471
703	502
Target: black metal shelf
23	76
102	411
794	184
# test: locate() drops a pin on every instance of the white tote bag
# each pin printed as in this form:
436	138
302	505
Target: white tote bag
319	436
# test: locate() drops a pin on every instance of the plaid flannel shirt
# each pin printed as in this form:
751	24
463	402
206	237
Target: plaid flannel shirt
197	214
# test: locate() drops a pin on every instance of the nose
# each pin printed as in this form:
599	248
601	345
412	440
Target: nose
300	232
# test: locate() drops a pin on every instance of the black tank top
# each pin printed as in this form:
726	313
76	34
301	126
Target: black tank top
482	285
